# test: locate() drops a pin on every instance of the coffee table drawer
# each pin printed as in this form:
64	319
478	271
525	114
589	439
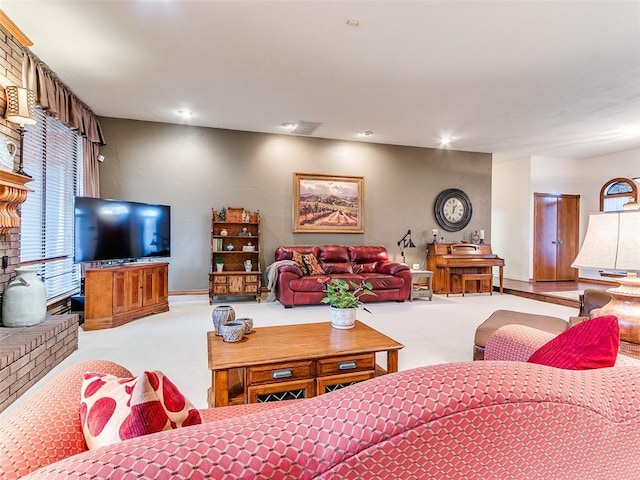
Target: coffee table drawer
336	382
346	364
279	372
277	392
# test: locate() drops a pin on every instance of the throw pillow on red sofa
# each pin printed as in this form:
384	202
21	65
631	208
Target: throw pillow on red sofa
113	409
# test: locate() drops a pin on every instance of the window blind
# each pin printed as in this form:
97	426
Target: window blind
52	155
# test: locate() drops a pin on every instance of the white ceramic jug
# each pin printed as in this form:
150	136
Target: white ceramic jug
25	299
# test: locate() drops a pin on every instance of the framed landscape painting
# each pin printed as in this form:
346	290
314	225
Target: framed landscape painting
328	203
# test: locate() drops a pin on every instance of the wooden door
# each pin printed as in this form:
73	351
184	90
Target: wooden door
555	237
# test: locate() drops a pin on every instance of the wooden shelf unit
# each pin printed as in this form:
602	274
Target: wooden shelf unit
119	294
238	229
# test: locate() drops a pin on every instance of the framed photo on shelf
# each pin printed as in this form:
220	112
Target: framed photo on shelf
328	203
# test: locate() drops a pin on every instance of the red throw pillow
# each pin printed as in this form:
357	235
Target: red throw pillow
590	344
114	409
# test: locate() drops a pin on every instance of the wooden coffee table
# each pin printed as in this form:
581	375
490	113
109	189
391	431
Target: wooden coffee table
295	361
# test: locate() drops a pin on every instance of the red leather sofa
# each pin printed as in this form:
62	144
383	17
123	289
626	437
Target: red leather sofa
390	280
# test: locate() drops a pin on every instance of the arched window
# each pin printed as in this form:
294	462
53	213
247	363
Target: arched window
616	192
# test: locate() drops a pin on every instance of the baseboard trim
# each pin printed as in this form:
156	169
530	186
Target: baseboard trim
189	292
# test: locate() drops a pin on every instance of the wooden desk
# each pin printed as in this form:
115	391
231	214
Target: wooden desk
294	361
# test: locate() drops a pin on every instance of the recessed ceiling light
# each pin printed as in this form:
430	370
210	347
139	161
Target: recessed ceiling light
366	133
353	23
445	140
288	125
185	114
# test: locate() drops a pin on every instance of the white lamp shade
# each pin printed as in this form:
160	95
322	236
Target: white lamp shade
612	242
21	106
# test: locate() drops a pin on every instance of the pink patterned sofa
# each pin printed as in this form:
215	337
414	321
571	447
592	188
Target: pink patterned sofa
391	281
472	420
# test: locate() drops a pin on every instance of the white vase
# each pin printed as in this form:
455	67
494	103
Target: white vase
343	318
219	267
25	299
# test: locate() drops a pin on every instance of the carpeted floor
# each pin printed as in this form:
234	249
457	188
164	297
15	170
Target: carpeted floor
175	342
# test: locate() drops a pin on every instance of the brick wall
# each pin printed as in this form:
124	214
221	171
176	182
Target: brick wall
10	74
28	353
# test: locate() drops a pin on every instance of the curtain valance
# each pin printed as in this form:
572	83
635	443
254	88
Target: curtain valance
56	98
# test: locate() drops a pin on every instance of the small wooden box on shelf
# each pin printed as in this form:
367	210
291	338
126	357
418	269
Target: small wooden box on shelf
235	244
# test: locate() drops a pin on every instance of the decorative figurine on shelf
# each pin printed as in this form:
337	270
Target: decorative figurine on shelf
223	233
245	216
244	232
222	214
434	231
229	247
248	265
475	238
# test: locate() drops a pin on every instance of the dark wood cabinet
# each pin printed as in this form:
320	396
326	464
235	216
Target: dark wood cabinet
555	237
116	295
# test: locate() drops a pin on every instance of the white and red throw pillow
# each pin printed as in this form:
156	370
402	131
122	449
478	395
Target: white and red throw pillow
113	409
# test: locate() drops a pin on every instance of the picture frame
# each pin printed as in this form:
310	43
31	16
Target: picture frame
328	203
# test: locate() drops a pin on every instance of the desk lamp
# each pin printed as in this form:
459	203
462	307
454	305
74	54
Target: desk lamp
405	242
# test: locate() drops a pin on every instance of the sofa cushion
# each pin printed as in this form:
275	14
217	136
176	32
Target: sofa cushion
380	281
336	267
333	254
114	409
309	283
364	267
367	254
590	344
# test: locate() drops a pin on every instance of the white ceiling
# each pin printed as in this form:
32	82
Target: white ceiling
515	78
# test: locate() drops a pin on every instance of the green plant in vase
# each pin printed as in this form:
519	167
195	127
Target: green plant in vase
344	298
219	263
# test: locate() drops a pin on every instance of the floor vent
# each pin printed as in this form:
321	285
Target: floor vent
305	128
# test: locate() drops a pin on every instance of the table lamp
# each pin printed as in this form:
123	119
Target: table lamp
612	242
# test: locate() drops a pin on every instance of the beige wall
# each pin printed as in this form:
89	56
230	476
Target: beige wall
195	169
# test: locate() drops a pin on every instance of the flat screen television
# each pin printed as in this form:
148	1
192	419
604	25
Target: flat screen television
119	230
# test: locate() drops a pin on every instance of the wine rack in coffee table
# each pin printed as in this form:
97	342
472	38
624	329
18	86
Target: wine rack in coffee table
235	240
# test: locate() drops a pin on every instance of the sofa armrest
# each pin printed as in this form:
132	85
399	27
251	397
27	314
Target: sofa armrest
294	269
390	268
46	427
515	343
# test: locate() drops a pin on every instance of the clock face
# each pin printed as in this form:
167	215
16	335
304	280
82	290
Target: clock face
453	209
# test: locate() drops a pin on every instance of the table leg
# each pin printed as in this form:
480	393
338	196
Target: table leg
392	361
501	280
219	396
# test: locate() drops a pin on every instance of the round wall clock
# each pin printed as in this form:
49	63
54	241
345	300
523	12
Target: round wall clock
453	209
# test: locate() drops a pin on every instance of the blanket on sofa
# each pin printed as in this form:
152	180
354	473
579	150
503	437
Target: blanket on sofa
272	278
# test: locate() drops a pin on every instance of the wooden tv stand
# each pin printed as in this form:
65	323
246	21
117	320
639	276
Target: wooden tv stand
119	294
